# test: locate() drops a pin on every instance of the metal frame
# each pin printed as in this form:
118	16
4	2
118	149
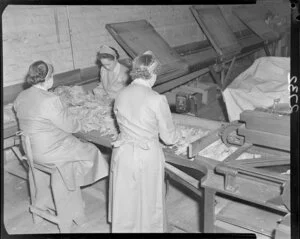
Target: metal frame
235	48
223	59
232	173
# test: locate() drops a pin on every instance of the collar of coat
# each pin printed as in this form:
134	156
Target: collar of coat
115	71
142	82
40	87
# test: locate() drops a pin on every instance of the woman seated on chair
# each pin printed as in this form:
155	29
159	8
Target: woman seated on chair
42	117
113	75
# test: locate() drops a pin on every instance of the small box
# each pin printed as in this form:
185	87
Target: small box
188	102
208	91
182	102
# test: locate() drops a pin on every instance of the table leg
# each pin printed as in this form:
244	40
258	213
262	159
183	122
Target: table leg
208	210
266	48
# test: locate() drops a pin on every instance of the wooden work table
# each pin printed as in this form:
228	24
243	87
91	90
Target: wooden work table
202	176
171	158
239	189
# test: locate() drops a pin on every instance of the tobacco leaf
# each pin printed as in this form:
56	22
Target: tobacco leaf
95	113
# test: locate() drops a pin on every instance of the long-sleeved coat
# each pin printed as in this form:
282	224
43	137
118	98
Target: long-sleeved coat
137	165
113	81
41	116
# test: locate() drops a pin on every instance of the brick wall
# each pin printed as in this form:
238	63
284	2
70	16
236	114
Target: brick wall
174	23
69	36
29	34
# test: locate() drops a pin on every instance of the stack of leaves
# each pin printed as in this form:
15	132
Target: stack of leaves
188	134
220	151
9	116
95	114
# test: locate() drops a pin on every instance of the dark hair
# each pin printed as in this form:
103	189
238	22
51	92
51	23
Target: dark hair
37	73
141	65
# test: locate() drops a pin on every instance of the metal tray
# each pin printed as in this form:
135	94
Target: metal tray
136	37
217	30
251	16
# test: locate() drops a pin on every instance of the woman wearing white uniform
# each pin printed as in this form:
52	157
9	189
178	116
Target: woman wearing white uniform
113	75
137	165
42	117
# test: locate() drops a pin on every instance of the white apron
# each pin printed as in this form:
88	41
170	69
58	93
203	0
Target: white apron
137	201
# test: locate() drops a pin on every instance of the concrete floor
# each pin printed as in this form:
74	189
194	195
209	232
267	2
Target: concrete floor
182	209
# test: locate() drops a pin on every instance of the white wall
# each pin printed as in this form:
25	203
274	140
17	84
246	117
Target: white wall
43	32
69	36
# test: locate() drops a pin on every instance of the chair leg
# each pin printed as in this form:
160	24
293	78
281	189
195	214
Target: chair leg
61	201
44	197
36	219
69	204
167	184
65	227
80	220
40	193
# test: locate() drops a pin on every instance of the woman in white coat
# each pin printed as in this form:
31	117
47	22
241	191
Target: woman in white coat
137	165
42	117
113	75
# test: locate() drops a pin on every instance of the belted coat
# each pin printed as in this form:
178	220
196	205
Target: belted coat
137	201
42	117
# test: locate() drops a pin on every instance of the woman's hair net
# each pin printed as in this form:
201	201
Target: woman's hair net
144	66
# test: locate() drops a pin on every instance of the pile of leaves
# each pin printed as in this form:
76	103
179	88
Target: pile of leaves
219	151
187	134
94	111
9	116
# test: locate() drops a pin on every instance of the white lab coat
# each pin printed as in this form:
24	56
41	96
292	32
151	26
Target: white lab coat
112	81
41	116
137	166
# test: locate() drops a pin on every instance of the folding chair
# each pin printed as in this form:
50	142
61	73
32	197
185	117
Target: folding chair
50	198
